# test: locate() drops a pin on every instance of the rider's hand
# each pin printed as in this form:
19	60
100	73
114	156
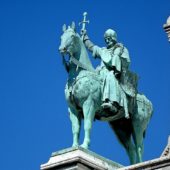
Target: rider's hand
83	32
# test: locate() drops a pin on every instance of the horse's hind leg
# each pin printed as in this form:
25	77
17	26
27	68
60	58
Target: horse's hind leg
123	134
89	113
76	123
138	140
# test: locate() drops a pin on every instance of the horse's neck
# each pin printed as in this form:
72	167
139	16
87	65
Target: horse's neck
84	58
72	74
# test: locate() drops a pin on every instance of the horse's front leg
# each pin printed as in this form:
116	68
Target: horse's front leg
76	124
89	113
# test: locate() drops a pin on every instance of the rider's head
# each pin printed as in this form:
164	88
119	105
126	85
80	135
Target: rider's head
110	37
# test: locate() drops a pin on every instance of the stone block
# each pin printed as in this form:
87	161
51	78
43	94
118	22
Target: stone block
78	158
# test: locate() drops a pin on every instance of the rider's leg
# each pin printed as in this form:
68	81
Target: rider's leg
111	92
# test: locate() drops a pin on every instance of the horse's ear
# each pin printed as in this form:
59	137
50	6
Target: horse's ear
64	28
73	25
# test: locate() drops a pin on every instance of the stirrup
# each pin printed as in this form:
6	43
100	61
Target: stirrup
106	105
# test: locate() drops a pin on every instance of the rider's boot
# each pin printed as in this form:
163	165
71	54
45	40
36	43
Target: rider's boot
108	105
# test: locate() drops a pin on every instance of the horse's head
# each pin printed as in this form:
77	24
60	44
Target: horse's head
69	39
72	44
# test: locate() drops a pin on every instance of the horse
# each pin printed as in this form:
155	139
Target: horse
83	93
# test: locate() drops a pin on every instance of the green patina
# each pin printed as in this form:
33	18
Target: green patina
108	93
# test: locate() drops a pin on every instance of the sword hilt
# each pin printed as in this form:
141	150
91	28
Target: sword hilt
83	23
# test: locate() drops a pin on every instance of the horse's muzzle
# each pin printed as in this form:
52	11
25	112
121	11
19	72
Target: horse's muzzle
62	50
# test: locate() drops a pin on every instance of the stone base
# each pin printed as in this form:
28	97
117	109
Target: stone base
81	159
78	159
162	163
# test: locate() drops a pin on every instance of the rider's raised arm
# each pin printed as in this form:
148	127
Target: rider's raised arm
91	47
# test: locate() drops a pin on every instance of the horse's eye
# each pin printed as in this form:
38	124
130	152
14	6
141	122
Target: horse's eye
72	36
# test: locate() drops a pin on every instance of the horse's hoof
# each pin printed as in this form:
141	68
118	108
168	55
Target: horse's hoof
85	146
75	145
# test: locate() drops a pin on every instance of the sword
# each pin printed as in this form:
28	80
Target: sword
83	23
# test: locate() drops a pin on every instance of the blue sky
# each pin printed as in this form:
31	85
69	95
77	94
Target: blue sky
34	120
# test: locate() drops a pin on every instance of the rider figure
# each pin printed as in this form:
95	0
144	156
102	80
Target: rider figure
114	63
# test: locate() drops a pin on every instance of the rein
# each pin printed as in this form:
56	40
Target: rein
79	64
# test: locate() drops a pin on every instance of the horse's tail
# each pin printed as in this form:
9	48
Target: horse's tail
143	112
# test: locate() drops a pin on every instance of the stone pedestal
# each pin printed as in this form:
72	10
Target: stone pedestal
78	159
162	163
82	159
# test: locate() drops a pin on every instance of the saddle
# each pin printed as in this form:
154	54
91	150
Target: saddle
129	82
